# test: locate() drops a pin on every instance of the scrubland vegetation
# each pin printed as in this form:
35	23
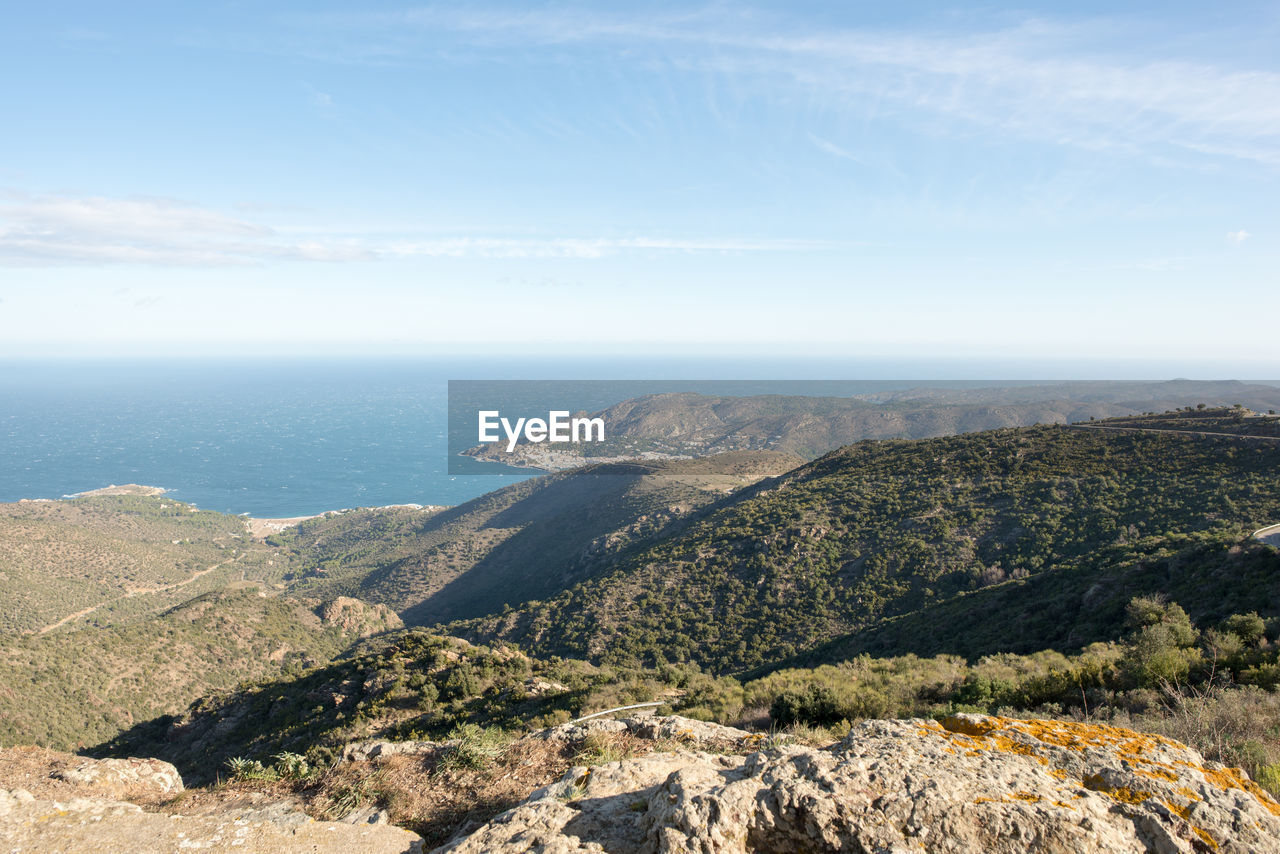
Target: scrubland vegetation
1010	540
1212	686
1050	572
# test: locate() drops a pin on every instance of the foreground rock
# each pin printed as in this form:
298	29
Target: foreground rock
53	775
101	825
972	783
53	802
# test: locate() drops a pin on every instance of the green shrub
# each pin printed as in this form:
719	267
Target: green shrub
473	747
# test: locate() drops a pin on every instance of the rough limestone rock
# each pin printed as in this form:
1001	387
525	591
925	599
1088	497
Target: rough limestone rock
35	826
689	731
363	751
970	784
576	732
118	778
670	727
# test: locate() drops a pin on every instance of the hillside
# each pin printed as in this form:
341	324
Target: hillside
114	555
526	541
73	688
447	705
1072	521
693	424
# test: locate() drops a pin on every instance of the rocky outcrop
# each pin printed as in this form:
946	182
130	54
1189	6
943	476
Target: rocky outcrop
363	751
970	783
673	728
117	778
53	802
36	826
359	618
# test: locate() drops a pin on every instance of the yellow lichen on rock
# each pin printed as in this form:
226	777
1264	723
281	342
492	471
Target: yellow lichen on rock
1234	778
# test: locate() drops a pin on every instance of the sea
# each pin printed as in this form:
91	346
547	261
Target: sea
279	437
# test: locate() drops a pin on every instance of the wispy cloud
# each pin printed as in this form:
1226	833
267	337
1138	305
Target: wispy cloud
55	230
60	230
1238	237
1033	80
834	150
488	247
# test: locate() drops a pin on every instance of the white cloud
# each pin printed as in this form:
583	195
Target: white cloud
491	247
55	230
1238	237
834	150
61	230
1033	80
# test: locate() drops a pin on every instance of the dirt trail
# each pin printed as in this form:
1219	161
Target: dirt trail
140	591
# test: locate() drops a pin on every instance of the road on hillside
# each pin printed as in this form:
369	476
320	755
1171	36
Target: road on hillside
1269	535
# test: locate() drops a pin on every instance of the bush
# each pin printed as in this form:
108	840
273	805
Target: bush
816	704
473	748
1250	628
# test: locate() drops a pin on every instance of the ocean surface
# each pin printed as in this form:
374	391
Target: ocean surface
279	438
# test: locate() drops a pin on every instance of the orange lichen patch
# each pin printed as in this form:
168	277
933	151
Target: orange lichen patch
1157	774
1205	837
1058	774
1064	804
1234	778
972	727
1077	736
1067	734
1183	811
1026	796
1188	794
1119	793
976	737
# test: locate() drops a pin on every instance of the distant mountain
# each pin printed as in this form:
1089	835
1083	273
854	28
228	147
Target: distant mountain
1017	539
694	424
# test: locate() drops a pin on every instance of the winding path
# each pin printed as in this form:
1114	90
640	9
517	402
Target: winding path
140	591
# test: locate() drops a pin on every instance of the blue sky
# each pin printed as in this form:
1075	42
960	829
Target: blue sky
854	180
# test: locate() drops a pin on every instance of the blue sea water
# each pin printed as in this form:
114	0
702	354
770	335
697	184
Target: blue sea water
277	438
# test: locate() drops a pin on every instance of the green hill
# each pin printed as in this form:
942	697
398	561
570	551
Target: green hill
69	689
1072	521
526	541
105	559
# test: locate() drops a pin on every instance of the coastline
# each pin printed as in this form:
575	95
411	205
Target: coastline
258	527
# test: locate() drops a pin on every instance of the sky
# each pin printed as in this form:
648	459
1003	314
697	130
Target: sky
853	180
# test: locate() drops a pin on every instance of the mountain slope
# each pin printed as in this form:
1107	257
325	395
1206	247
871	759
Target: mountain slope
107	558
525	541
883	529
68	689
